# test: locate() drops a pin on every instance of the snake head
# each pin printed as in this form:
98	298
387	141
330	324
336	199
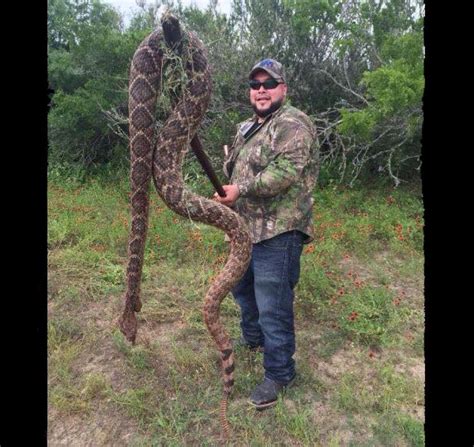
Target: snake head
128	325
137	304
172	31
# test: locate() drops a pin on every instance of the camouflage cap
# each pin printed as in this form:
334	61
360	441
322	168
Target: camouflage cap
271	66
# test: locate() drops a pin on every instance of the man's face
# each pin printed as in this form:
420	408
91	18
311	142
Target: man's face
263	99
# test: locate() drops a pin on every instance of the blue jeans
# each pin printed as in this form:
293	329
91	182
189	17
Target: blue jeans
265	296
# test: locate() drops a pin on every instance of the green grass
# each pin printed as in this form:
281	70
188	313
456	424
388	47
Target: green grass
359	322
395	426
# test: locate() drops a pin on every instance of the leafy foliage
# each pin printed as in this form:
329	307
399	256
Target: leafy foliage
393	113
356	67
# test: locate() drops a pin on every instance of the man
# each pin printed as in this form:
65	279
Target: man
272	166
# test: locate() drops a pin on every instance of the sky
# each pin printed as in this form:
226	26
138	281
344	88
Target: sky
126	7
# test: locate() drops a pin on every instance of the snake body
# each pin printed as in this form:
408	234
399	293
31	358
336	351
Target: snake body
160	158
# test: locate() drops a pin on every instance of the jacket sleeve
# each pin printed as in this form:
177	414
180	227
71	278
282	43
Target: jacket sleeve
291	144
229	162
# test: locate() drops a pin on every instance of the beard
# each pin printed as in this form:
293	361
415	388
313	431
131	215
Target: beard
265	112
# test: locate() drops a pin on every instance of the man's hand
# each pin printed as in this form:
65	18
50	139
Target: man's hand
232	194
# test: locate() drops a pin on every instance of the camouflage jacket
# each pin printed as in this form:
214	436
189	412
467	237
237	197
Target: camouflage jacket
275	167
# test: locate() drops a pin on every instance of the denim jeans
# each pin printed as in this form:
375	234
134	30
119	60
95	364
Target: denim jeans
265	296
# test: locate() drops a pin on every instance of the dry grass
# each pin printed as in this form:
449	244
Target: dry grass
352	390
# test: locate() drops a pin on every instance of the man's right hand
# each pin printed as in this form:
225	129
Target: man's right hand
232	194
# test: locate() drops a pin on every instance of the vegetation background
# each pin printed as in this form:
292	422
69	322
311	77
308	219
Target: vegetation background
356	68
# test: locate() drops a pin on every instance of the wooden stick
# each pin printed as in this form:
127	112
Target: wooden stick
206	165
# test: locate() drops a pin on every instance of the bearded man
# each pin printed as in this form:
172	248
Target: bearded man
272	166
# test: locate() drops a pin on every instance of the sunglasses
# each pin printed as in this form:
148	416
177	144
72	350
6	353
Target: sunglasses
269	84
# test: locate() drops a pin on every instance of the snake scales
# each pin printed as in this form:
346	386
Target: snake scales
160	158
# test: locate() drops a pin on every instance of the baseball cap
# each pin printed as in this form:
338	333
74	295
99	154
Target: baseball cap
271	66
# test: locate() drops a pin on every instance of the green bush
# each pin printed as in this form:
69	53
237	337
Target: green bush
368	92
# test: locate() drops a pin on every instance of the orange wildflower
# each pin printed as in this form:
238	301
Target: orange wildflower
399	231
309	249
353	316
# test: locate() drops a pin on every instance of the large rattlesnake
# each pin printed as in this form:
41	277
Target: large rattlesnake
160	158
